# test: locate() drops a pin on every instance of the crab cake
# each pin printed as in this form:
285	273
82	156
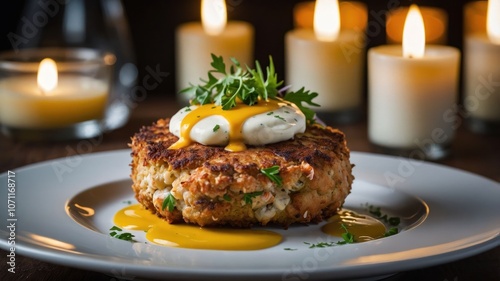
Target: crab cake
302	180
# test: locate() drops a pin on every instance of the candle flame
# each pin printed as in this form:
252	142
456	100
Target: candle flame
326	20
493	21
213	16
414	34
47	75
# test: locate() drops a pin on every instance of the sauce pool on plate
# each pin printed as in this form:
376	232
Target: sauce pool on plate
158	231
135	217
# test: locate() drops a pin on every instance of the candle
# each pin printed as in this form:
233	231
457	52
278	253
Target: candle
435	21
353	15
50	100
482	73
328	61
196	41
411	89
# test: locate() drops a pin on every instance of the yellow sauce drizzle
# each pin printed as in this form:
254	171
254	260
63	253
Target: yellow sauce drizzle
158	231
364	228
236	116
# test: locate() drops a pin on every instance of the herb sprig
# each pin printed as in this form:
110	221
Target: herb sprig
273	174
168	202
347	236
226	87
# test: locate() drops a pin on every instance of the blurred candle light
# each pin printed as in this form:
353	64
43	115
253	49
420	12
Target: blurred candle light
195	41
475	17
328	61
213	16
414	34
353	15
47	76
482	73
51	100
493	21
411	89
327	20
435	20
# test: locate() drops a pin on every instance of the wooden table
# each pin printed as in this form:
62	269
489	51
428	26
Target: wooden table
478	154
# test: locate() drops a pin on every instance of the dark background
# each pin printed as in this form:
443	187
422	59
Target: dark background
152	26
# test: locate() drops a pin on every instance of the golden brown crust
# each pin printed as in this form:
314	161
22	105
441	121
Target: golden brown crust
210	183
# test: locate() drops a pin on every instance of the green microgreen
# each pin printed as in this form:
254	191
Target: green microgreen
226	87
216	128
169	202
273	174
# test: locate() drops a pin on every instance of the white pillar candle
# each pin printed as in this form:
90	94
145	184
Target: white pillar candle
409	96
482	69
482	78
195	42
331	67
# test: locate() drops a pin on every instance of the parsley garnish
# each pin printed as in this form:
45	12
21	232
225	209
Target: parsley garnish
273	174
393	221
289	249
347	236
123	236
247	197
280	118
320	245
392	231
169	202
216	128
247	85
303	96
226	197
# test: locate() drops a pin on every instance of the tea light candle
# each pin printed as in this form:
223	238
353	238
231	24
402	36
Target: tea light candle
353	15
411	87
326	60
435	21
50	100
196	41
482	69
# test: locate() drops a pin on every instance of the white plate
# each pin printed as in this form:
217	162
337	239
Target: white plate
447	215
